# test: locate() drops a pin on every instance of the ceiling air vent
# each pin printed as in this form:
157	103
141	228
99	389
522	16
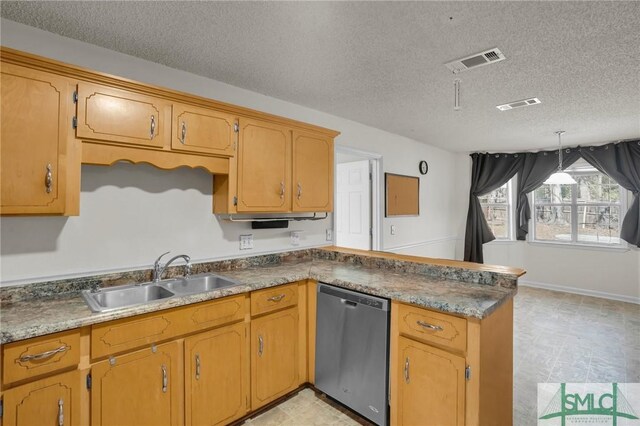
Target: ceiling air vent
518	104
479	59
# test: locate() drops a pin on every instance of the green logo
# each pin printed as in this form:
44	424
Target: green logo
613	404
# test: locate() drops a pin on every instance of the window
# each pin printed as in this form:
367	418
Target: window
496	207
587	212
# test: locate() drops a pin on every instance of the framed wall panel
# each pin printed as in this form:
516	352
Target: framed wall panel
402	195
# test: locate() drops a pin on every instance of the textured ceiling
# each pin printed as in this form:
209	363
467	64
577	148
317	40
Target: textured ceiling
381	63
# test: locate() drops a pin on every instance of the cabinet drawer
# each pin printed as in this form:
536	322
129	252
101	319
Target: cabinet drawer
273	299
433	327
129	333
41	355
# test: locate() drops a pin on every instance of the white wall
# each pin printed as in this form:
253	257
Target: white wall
130	214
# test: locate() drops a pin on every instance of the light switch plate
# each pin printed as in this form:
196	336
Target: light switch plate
246	242
329	235
393	230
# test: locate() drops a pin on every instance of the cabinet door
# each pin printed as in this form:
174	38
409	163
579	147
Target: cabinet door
312	172
36	127
274	356
115	115
51	401
140	388
203	130
264	167
431	385
217	376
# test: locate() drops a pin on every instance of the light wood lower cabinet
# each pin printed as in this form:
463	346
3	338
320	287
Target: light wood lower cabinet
432	385
217	376
274	356
51	401
140	388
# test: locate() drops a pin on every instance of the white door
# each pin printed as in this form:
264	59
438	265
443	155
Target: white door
353	209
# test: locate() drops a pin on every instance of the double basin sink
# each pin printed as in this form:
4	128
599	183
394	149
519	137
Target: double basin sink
139	294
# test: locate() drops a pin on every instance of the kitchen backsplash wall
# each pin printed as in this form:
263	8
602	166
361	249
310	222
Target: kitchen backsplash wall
132	213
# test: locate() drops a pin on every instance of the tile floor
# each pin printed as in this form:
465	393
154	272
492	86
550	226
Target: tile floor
558	337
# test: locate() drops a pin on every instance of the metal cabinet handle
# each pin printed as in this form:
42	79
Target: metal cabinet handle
48	179
25	358
197	366
183	133
429	326
282	190
276	298
406	370
260	345
165	378
299	190
60	412
153	126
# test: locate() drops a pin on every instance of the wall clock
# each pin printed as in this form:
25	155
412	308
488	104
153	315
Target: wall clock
424	167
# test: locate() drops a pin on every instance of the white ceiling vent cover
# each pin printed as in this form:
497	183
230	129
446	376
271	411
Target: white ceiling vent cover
477	60
518	104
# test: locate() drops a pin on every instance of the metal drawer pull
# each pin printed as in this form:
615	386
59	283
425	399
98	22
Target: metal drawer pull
197	366
60	412
165	379
153	126
276	298
25	358
282	190
406	369
183	134
48	179
260	345
429	326
299	190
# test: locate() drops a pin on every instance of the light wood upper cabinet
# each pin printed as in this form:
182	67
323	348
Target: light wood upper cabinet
264	167
114	115
35	142
274	356
51	401
312	172
139	388
432	385
203	130
217	376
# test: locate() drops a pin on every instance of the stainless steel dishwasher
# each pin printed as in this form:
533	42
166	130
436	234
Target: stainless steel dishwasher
352	350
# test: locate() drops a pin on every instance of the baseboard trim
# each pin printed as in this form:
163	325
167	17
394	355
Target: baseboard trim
582	291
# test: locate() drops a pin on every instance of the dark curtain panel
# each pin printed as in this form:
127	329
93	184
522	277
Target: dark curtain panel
621	162
536	168
488	172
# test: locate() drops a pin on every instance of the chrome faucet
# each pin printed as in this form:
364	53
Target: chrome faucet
159	268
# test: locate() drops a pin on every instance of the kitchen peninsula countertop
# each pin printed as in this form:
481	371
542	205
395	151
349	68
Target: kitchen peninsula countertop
448	286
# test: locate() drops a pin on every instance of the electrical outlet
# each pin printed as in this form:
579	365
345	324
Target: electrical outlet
329	235
246	242
295	238
393	230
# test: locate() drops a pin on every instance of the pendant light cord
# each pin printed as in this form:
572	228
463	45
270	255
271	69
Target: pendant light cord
559	133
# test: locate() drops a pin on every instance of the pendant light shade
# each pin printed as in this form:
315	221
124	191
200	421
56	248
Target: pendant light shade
560	177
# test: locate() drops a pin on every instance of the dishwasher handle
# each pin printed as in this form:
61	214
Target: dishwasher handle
349	303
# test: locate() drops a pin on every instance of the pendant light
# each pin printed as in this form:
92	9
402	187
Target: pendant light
560	177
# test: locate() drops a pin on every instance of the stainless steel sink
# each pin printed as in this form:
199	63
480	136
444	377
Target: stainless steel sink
198	284
125	296
130	295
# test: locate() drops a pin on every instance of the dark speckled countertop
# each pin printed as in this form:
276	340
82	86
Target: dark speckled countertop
452	290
